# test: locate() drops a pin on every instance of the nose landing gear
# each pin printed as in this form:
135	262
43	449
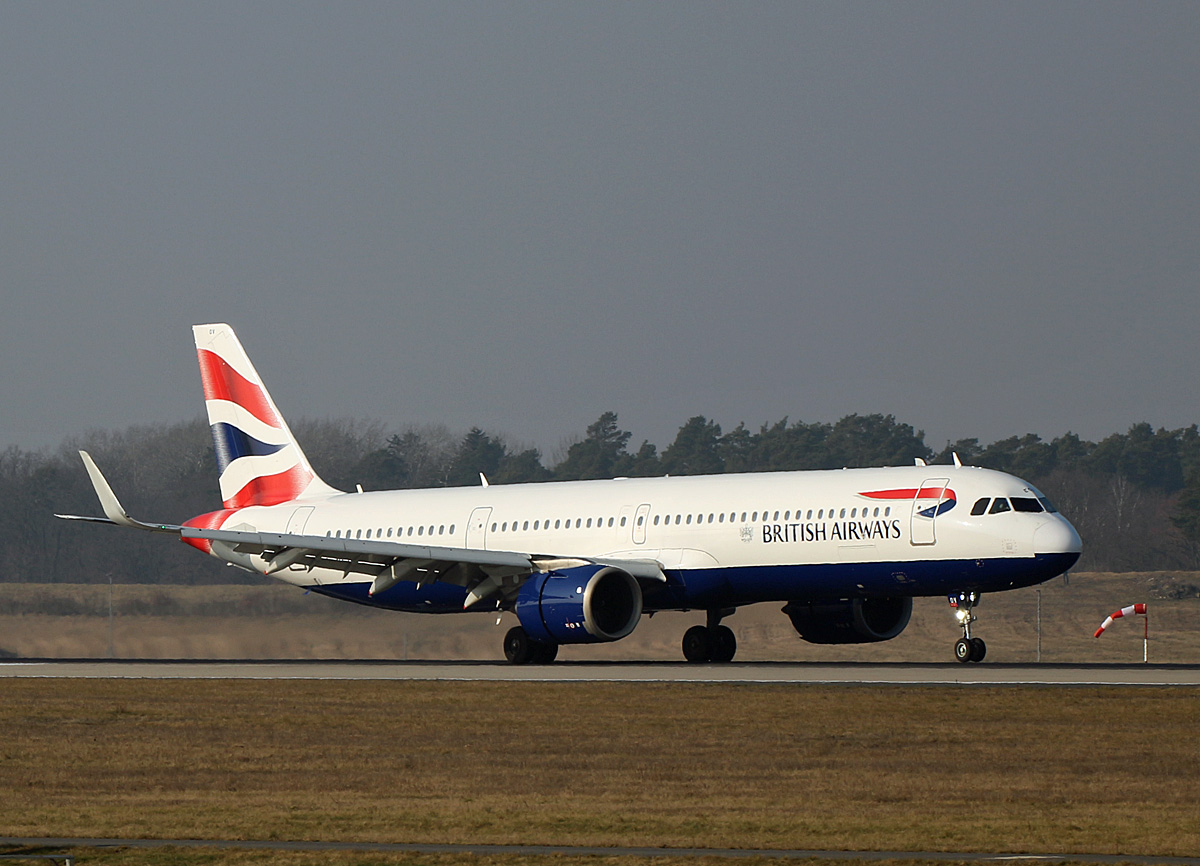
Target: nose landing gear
967	648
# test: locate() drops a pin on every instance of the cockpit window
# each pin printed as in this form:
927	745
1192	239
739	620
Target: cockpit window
1047	504
1026	504
1000	505
980	507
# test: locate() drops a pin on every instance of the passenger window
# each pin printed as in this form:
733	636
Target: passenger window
525	526
1000	506
743	517
451	528
641	520
358	533
556	523
776	516
410	530
441	529
754	517
578	522
1026	504
610	521
721	517
589	523
421	530
689	520
655	520
980	507
535	525
843	514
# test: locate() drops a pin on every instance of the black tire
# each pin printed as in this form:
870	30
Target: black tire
544	653
697	645
978	649
962	650
723	643
518	648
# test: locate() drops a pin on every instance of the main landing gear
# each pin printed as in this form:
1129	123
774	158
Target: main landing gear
521	649
712	642
967	648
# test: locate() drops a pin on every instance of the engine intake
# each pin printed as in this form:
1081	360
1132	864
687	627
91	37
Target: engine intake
855	620
588	604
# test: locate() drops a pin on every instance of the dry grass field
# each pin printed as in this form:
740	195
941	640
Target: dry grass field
1010	769
1108	770
278	621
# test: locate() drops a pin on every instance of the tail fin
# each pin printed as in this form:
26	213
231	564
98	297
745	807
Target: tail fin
258	457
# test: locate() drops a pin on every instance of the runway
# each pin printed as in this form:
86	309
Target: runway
41	844
624	672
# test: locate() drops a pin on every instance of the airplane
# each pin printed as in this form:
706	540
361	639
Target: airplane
580	562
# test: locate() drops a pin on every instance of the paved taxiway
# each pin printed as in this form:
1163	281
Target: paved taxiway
676	672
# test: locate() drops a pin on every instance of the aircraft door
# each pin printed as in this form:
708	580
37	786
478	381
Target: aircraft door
477	528
926	505
298	520
640	518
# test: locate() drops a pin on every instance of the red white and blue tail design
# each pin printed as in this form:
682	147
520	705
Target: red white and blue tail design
259	460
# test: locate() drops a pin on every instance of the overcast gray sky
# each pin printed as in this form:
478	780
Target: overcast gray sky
983	218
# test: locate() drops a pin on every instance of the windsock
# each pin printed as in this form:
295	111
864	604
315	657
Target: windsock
1132	610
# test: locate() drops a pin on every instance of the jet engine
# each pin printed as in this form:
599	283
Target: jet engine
855	620
587	604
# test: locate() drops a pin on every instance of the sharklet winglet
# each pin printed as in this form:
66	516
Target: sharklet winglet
114	512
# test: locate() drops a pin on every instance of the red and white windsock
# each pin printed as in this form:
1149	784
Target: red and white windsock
1132	610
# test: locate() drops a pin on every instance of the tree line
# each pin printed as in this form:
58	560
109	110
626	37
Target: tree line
1134	496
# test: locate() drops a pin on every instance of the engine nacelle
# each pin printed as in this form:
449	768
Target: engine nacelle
588	604
855	620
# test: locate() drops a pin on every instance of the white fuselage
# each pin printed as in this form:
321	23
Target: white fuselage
727	539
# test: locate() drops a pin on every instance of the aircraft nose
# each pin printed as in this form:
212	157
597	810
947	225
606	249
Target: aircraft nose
1057	536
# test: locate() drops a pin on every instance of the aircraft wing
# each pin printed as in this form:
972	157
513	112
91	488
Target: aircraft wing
485	573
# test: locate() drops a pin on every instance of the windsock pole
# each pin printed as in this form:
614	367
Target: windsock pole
1131	610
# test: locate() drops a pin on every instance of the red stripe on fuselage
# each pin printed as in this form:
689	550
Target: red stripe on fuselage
912	493
222	382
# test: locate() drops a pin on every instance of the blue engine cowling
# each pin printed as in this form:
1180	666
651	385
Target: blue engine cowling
588	604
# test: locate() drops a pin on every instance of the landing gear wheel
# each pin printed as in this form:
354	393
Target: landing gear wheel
544	653
724	643
697	644
978	649
518	648
962	650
